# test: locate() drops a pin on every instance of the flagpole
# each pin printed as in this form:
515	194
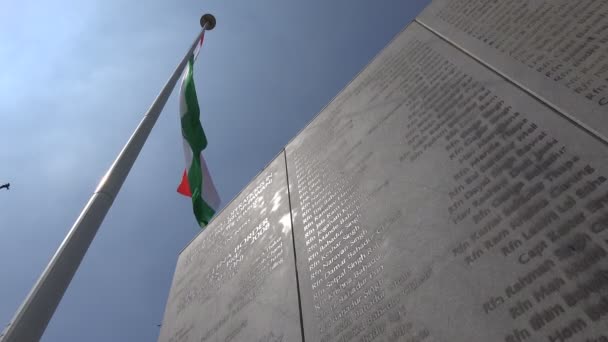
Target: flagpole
36	311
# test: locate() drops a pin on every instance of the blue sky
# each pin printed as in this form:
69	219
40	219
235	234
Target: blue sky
76	78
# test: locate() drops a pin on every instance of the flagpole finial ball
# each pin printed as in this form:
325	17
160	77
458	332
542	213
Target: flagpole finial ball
208	19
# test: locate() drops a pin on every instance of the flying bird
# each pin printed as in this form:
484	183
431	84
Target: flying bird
5	186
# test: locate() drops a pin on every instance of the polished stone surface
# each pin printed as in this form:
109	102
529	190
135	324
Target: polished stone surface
433	200
557	49
438	197
236	280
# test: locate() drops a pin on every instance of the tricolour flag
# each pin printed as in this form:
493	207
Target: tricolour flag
196	181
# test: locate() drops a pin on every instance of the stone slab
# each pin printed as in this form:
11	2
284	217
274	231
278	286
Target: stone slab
236	280
556	49
433	200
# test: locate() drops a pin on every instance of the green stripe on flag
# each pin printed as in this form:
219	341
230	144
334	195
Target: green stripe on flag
202	211
193	132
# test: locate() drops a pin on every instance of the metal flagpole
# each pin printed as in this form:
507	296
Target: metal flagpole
36	311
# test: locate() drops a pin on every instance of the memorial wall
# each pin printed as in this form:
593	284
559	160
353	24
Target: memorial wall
453	191
557	49
236	280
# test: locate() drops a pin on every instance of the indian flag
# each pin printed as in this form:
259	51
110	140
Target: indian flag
196	181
